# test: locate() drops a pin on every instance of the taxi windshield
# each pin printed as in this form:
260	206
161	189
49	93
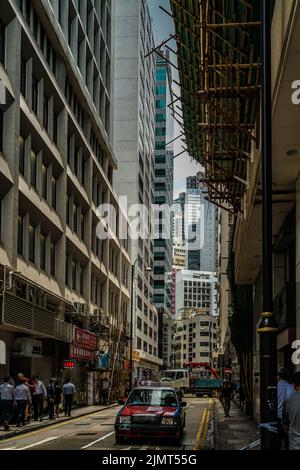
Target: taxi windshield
152	397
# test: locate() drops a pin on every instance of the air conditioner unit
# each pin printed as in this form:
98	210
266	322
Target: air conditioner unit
94	312
79	307
27	347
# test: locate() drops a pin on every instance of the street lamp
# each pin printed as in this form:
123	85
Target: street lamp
147	269
267	327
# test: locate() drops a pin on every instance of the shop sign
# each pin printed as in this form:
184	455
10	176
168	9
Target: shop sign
83	354
85	339
136	356
69	364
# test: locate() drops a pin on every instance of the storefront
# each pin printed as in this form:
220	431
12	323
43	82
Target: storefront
82	352
145	366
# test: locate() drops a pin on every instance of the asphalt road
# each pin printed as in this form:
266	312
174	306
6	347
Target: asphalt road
96	432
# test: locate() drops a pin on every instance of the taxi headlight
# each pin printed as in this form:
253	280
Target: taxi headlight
168	421
124	419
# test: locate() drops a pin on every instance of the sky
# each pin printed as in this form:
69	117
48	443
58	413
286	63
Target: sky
163	27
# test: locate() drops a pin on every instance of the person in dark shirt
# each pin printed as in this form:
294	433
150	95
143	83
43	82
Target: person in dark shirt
226	395
57	399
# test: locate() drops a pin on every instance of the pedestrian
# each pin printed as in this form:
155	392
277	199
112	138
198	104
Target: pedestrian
105	385
7	401
38	397
101	392
291	416
226	395
22	398
284	391
57	399
68	392
51	397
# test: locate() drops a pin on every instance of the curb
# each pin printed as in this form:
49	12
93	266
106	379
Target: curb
45	425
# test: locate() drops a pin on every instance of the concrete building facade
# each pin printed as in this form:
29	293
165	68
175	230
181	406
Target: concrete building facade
196	289
57	166
134	146
196	337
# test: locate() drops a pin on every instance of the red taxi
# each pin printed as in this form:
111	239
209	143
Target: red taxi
151	412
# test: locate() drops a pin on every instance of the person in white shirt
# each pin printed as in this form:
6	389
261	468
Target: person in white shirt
38	396
6	402
68	393
22	398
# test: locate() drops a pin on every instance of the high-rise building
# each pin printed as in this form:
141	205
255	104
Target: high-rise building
178	224
164	133
202	255
196	289
134	146
196	337
59	281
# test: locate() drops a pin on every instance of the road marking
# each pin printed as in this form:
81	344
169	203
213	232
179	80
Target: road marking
9	448
98	440
203	428
46	428
49	439
199	433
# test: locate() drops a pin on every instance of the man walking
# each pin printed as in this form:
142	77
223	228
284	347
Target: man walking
284	391
38	396
291	416
6	402
105	388
51	397
226	395
68	393
22	398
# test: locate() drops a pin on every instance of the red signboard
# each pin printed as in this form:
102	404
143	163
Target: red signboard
69	364
85	339
84	346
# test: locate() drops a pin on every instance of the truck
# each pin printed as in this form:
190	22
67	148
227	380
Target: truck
203	379
177	378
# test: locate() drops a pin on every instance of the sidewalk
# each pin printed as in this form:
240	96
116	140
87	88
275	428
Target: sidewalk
34	425
235	432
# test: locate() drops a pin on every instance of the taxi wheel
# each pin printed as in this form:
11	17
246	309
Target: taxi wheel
119	439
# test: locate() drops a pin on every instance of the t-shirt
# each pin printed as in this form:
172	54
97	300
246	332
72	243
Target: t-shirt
68	389
226	392
291	417
284	391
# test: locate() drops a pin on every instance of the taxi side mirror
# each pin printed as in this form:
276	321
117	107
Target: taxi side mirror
183	403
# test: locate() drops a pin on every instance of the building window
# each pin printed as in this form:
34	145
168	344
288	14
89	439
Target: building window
73	275
2	43
34	95
33	162
23	77
44	181
54	191
21	155
145	346
139	343
45	113
82	226
42	251
55	124
139	323
81	279
31	233
74	218
52	259
67	271
20	235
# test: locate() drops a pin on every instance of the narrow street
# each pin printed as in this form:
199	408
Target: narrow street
96	432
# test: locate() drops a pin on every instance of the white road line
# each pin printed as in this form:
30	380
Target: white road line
97	440
49	439
8	448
